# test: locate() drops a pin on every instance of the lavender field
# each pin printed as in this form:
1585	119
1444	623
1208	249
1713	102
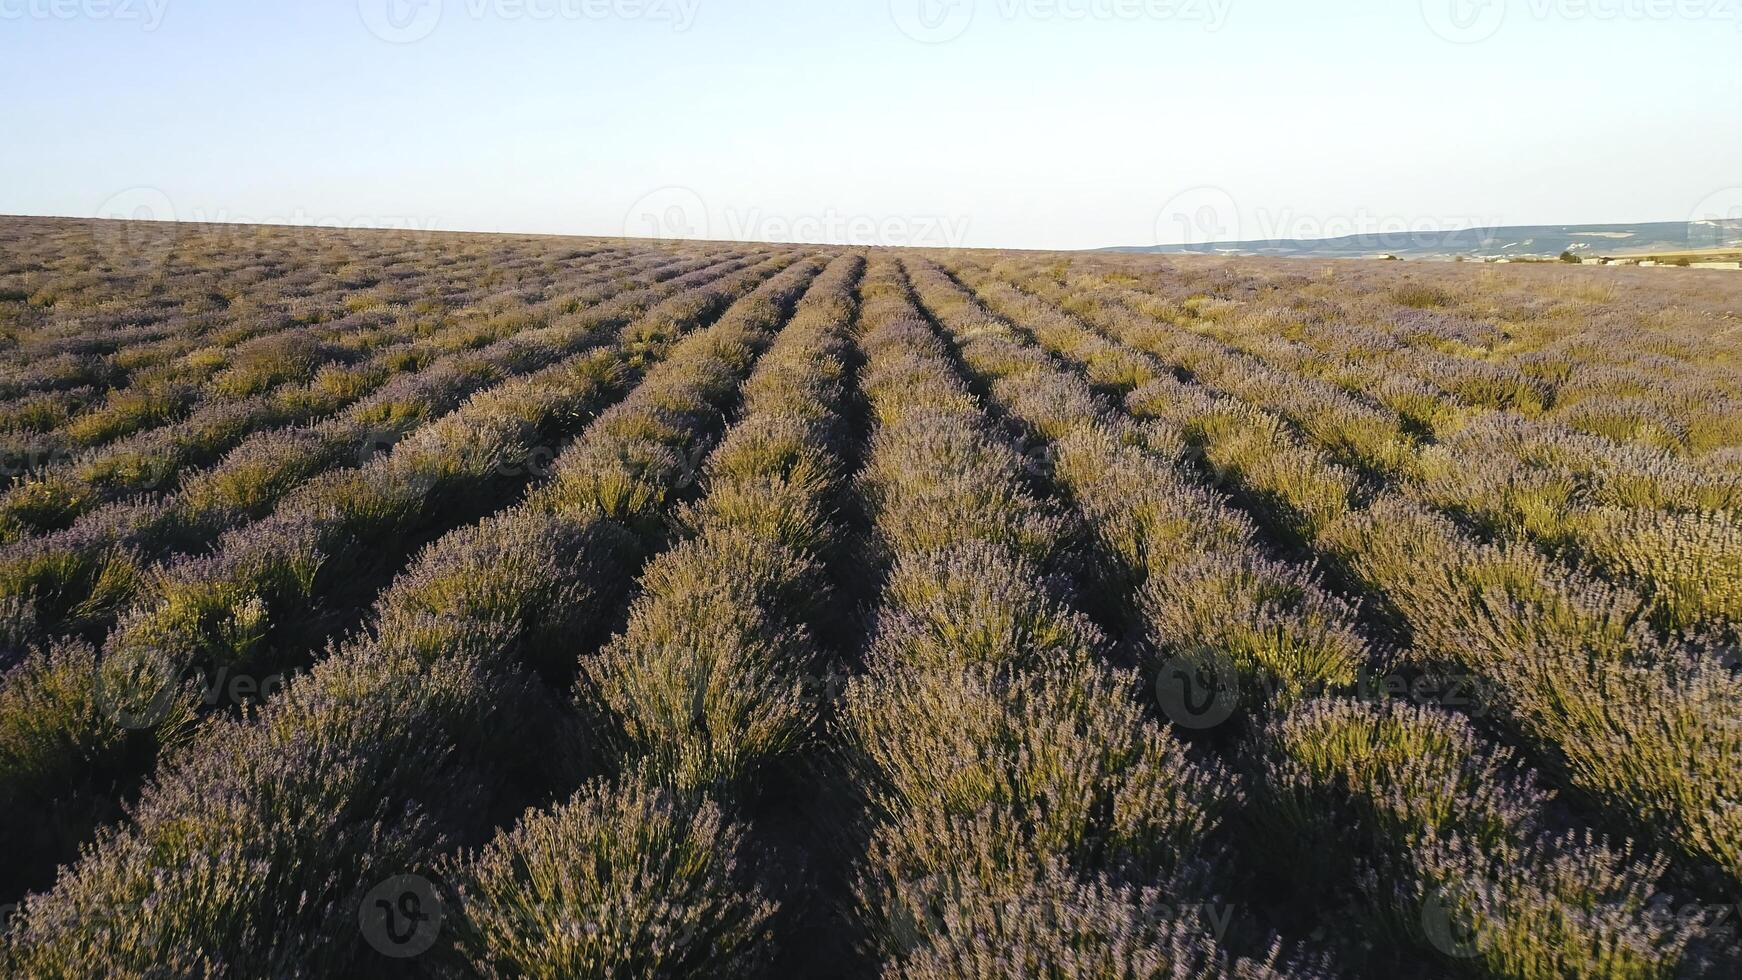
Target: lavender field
380	604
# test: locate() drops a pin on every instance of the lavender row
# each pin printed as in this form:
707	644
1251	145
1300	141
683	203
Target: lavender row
705	687
1644	728
1450	831
269	594
53	426
50	496
76	580
1612	353
79	320
1636	513
1642	517
1023	816
391	750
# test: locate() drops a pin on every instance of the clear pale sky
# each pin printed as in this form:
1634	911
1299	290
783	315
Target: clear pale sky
1018	123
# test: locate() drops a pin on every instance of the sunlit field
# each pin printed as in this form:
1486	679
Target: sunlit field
394	604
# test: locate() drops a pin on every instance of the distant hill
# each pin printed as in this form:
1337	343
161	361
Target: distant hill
1511	241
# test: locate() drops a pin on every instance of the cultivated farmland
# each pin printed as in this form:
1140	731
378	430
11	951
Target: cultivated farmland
389	604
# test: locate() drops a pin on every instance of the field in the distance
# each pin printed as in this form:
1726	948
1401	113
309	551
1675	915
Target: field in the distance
381	604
